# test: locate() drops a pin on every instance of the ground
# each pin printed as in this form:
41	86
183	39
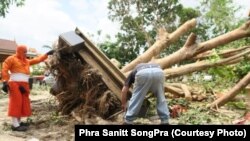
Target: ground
48	125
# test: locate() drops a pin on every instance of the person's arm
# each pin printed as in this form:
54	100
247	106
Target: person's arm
6	67
124	97
125	89
5	74
38	59
41	58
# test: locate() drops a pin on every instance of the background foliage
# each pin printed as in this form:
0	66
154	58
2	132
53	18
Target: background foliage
5	5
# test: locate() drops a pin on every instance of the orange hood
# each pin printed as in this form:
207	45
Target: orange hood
21	53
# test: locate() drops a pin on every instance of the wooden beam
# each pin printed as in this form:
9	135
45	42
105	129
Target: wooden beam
111	75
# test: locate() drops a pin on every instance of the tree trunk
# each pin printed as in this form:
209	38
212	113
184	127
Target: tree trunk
186	92
202	65
164	41
232	93
191	49
222	54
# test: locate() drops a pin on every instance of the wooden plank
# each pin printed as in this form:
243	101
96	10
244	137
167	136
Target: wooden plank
111	75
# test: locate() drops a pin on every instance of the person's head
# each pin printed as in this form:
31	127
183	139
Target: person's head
21	52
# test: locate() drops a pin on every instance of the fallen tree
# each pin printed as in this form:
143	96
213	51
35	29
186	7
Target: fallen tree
192	51
88	90
164	40
79	85
202	65
232	93
223	54
191	48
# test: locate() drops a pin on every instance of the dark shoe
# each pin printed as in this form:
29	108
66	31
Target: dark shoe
128	123
19	128
125	123
164	122
24	124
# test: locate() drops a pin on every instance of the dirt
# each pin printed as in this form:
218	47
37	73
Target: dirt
46	124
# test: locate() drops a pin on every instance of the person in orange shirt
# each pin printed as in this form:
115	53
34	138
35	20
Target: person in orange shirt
15	76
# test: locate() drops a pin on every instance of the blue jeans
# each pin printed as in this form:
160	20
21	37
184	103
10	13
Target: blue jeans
148	80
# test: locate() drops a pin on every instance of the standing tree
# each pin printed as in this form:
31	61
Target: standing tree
140	21
219	16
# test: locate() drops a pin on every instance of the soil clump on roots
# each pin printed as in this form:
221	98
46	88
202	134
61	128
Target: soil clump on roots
80	89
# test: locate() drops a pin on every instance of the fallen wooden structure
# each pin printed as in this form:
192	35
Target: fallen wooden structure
87	82
87	51
112	76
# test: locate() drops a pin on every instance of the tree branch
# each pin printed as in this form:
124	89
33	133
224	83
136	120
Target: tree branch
159	45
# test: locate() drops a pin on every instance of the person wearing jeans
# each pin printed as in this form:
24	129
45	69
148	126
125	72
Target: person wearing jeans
146	77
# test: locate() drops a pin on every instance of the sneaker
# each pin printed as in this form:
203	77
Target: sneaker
24	124
19	128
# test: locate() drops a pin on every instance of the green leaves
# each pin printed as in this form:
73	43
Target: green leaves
5	5
219	15
140	20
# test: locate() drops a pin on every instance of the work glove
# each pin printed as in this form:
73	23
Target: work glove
22	89
50	52
5	86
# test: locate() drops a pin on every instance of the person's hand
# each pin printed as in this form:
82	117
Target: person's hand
50	52
5	86
22	89
124	107
124	98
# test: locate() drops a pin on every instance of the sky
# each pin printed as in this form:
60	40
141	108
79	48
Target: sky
40	22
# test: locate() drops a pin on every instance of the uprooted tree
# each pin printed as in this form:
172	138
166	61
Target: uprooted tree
84	91
79	86
81	90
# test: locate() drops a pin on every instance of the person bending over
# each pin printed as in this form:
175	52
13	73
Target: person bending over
146	77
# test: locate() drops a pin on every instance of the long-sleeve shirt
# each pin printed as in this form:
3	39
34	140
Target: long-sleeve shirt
15	65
